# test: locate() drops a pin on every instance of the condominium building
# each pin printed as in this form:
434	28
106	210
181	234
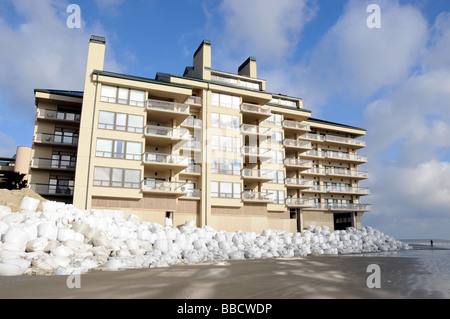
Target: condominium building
208	146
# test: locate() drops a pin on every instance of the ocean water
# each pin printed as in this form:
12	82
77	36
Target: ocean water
434	262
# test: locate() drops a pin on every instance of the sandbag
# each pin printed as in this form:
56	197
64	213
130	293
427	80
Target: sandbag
13	267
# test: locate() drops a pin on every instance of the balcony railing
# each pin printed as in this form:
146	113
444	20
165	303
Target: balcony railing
168	106
299	202
192	169
60	116
165	159
255	196
256	151
56	139
47	163
313	153
287	124
346	172
255	129
315	171
345	156
163	186
192	122
290	143
344	140
347	207
196	100
192	146
258	173
298	182
348	190
193	193
263	109
169	132
56	190
296	162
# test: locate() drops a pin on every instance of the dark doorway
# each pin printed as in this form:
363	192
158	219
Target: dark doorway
295	214
342	220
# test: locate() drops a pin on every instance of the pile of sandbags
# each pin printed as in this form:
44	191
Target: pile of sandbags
64	240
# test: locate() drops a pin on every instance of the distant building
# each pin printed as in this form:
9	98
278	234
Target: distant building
19	163
208	146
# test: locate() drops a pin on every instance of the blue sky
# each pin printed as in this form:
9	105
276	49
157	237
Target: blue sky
393	81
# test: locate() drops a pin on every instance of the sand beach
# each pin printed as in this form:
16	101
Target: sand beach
419	273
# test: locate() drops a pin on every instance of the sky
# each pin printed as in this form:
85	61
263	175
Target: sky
391	78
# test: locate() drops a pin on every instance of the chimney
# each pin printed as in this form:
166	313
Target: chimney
202	61
248	68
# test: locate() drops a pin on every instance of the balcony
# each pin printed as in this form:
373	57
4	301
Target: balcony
192	122
253	154
192	170
312	137
353	158
52	190
194	146
313	154
164	111
253	197
53	164
316	189
296	145
344	172
58	116
253	112
299	202
298	183
194	194
257	175
165	136
296	163
348	190
160	161
347	207
56	139
295	127
315	171
248	129
164	187
345	141
194	101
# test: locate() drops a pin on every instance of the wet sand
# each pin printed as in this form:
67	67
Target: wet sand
318	277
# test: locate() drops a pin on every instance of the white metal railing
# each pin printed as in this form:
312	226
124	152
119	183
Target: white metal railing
168	106
192	122
193	193
297	162
315	170
347	189
313	153
346	172
255	129
299	202
192	169
196	100
57	190
347	206
256	151
257	173
192	146
345	156
166	158
296	143
174	133
58	115
345	140
256	196
317	188
296	125
298	182
156	185
263	109
313	136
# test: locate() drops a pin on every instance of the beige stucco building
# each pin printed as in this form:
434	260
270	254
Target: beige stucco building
208	146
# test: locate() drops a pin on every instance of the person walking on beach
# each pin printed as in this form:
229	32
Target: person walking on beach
431	242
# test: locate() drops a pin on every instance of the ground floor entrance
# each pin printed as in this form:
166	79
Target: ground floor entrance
343	220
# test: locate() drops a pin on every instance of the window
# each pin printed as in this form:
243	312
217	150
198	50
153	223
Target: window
278	177
118	149
288	103
276	138
226	100
225	143
113	94
225	121
276	158
121	122
117	177
225	166
274	119
225	190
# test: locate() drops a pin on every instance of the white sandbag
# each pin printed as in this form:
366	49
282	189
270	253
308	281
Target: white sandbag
65	234
51	244
161	245
49	206
144	234
13	219
190	223
47	230
37	244
13	267
62	251
15	236
113	264
29	204
132	243
10	254
3	228
134	219
4	210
